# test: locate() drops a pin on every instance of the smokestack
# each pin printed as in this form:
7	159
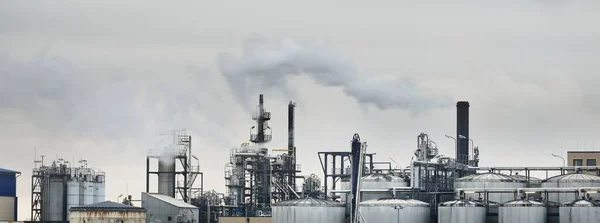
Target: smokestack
291	127
462	132
356	167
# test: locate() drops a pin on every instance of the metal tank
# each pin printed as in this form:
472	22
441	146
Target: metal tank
388	210
166	175
53	202
73	192
533	182
375	186
308	210
489	180
88	189
573	180
522	211
461	211
580	211
99	193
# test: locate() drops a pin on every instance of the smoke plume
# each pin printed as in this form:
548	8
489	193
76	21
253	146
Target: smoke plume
263	66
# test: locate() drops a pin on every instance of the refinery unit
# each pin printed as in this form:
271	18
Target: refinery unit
353	186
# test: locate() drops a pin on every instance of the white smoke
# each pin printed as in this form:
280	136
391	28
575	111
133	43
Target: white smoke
263	66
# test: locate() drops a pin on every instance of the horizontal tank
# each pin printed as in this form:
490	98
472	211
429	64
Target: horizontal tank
522	211
573	180
461	211
308	210
393	210
580	211
489	180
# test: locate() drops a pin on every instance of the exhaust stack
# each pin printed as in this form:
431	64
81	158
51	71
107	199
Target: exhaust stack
462	132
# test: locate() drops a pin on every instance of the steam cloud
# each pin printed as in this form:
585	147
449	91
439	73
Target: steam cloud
262	66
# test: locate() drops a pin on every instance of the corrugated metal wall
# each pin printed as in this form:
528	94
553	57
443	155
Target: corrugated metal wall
7	208
8	184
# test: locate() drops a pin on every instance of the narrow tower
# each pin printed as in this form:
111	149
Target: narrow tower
262	117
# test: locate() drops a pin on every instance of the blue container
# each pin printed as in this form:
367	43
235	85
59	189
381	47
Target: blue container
8	183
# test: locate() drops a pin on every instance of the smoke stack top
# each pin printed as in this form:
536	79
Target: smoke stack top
264	66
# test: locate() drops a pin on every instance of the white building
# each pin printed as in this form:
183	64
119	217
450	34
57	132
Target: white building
162	208
107	212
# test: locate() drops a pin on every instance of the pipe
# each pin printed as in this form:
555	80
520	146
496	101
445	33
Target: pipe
507	190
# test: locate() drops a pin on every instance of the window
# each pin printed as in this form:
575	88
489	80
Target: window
590	162
577	162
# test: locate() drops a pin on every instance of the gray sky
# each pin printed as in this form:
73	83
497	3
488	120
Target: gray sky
100	80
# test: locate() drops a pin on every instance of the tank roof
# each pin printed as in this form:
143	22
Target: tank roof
573	177
392	201
524	178
8	171
523	203
582	203
380	176
487	177
310	202
462	203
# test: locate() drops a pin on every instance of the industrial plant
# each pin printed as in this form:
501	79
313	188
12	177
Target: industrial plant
353	186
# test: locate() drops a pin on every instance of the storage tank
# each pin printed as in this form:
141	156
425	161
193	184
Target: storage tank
308	210
572	180
375	186
533	182
461	211
99	193
88	192
73	193
522	211
388	210
580	211
489	180
53	202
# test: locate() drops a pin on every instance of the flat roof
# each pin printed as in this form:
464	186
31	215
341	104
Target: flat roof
583	151
171	200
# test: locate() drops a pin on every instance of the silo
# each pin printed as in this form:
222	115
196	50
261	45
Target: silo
87	192
53	203
522	211
580	211
461	211
166	175
73	192
388	210
99	195
573	180
489	180
308	210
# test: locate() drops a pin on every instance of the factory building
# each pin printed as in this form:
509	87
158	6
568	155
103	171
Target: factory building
583	158
59	186
107	212
163	208
8	195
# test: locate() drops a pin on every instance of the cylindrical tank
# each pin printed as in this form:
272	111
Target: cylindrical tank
88	192
308	210
388	210
375	186
99	193
580	211
73	193
166	175
573	180
489	180
53	191
461	211
522	211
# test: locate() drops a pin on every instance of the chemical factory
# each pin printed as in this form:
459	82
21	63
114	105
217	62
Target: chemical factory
353	187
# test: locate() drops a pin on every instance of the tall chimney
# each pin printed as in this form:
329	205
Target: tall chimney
291	147
462	132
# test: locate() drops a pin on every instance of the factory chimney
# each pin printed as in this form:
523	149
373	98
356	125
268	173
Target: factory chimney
291	147
356	158
462	132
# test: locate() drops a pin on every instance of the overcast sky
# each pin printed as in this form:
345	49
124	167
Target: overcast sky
101	80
